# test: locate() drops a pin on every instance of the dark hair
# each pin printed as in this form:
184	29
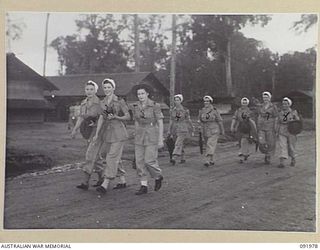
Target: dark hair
90	83
146	87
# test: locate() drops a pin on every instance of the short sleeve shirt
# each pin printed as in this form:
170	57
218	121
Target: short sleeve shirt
242	113
114	130
267	116
210	118
90	108
180	119
286	116
147	117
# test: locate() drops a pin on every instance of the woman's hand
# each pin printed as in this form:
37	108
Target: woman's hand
94	138
111	117
73	134
160	143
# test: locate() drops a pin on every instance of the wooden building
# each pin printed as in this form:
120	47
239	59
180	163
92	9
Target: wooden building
25	92
303	102
71	90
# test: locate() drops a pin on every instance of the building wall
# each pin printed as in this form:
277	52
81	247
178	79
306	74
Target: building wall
25	115
24	90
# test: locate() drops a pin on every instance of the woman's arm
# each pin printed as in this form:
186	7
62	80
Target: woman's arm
160	124
77	126
221	127
125	111
189	121
99	126
170	126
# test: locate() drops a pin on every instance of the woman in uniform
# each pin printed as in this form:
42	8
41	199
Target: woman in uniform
180	127
90	109
266	126
246	128
112	131
287	141
148	137
212	126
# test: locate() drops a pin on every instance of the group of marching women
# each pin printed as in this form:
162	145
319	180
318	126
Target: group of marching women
262	129
104	119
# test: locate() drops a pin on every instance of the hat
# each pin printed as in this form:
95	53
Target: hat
288	100
108	80
179	96
208	97
245	99
96	87
267	94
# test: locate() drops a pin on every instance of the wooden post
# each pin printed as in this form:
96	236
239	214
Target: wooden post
45	45
173	60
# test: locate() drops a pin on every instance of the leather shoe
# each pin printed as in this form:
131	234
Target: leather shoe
142	190
101	189
99	182
158	183
120	186
83	186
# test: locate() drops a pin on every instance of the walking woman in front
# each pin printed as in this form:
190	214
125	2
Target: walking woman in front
90	109
148	120
180	127
112	131
212	126
266	126
287	141
243	123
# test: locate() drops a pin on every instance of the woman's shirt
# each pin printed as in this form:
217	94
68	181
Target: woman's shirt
114	129
210	119
90	108
180	121
267	117
146	118
242	114
285	116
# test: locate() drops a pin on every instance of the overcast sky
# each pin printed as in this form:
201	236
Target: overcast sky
276	36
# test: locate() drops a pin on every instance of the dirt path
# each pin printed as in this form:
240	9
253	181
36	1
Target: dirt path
227	196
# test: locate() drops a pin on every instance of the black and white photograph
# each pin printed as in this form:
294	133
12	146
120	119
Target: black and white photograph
185	121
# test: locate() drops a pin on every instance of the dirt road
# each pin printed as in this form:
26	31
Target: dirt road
227	196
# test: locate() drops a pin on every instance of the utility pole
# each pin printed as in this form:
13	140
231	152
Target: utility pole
173	60
136	43
45	45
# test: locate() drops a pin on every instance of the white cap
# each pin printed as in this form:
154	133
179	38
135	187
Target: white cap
179	96
267	93
288	100
208	97
96	87
108	80
245	99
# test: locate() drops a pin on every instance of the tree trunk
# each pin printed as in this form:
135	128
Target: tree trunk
230	90
136	43
173	61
